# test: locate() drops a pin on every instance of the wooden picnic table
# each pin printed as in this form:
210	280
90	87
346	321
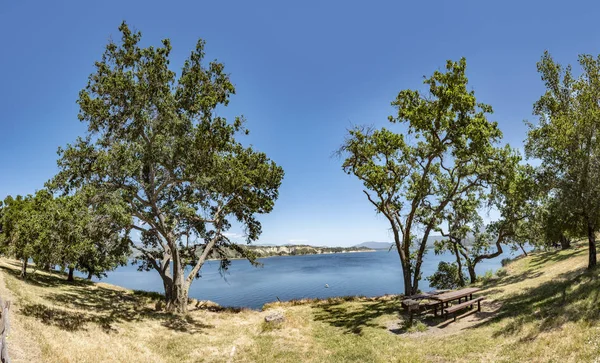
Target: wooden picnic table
446	297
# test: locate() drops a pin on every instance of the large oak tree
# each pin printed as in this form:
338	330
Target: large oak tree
25	231
157	140
566	141
446	149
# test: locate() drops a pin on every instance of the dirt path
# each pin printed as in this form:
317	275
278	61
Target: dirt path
22	347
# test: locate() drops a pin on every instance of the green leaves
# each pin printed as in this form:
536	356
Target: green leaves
446	277
565	139
448	150
82	230
155	140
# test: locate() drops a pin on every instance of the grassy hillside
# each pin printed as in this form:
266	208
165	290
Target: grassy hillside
546	308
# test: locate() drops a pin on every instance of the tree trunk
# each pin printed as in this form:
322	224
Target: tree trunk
417	270
564	242
90	275
461	277
24	269
592	246
472	274
71	278
177	297
404	263
408	290
523	249
167	286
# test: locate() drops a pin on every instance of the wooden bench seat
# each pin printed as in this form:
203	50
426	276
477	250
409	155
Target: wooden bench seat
456	307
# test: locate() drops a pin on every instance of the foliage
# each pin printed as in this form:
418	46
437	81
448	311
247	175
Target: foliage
446	150
89	229
446	277
26	230
487	277
415	326
501	272
553	224
505	261
70	231
157	141
512	192
565	140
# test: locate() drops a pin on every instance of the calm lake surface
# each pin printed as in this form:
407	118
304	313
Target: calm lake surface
296	277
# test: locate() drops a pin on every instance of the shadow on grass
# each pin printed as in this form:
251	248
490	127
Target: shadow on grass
64	319
543	258
422	323
75	321
48	279
498	282
571	297
354	317
81	302
106	307
185	324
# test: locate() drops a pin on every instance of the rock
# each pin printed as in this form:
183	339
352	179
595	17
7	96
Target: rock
206	304
275	318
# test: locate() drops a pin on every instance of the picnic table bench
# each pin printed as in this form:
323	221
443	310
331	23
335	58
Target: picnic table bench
412	303
456	307
444	299
441	300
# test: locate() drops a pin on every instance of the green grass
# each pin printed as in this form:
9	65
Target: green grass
544	307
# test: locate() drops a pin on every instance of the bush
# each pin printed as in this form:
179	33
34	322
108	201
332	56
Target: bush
489	274
446	277
501	272
414	327
505	261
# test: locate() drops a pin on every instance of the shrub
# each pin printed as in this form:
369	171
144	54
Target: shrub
489	274
414	327
501	272
446	277
505	261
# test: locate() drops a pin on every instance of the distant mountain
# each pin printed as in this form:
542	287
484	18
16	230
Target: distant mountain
432	239
375	245
386	245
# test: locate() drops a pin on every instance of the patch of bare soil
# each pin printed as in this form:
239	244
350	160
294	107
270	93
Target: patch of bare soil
440	327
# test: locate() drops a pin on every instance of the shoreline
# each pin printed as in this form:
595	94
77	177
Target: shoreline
290	255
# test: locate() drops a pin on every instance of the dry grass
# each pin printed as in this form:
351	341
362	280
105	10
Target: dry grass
545	308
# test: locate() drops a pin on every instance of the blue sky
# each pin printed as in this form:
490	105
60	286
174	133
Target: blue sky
305	71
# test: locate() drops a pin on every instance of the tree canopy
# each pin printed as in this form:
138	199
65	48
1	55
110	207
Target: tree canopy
512	193
25	230
157	140
448	148
565	140
75	232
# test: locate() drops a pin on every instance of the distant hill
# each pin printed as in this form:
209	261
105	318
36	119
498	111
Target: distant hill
375	245
295	250
432	239
273	250
386	245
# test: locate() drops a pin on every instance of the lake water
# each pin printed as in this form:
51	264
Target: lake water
296	277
